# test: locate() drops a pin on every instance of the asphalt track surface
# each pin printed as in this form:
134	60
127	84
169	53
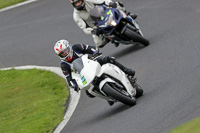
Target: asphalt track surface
168	70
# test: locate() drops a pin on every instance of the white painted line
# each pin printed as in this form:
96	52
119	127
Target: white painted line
17	5
74	97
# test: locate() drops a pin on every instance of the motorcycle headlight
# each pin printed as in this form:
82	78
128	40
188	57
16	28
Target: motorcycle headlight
113	23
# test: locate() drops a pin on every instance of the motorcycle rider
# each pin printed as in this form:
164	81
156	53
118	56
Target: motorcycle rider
68	53
84	21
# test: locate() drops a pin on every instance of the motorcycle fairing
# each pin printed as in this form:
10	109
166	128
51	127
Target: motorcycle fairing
117	73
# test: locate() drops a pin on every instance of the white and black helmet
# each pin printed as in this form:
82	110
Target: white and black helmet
63	49
80	6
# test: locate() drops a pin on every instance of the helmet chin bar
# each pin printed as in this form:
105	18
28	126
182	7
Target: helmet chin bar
69	56
68	59
80	7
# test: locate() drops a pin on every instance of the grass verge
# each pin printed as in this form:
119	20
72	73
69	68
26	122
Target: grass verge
6	3
189	127
32	101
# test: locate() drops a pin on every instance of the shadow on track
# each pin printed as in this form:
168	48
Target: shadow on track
127	51
107	114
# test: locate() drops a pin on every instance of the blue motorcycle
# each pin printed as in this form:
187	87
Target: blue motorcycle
116	26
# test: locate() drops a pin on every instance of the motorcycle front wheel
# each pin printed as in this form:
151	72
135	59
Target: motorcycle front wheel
118	95
139	90
135	37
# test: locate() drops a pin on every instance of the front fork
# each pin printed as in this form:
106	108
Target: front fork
138	28
132	80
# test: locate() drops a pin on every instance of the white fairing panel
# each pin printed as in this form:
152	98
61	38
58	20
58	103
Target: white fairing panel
92	69
87	74
118	74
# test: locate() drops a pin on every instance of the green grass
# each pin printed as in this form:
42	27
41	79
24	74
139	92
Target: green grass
189	127
32	101
6	3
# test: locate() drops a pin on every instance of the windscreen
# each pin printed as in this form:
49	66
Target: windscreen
78	64
97	12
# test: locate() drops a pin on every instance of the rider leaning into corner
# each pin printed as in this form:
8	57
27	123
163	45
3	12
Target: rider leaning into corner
84	21
68	53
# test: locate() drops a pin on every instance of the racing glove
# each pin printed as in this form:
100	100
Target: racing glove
113	4
74	85
95	31
96	55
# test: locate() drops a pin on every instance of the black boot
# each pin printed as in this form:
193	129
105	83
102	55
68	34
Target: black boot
133	16
110	103
129	71
105	41
89	95
112	60
126	70
116	44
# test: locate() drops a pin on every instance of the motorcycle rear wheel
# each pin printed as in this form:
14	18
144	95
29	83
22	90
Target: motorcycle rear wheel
116	94
135	37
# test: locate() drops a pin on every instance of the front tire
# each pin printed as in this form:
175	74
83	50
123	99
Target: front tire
116	94
135	37
139	90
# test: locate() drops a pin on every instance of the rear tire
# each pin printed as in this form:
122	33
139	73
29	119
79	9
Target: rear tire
110	91
135	37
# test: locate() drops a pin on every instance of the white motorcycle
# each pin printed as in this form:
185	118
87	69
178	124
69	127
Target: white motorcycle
107	81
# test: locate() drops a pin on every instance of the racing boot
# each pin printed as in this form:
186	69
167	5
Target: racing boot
88	94
129	71
116	44
104	42
133	16
110	103
126	70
